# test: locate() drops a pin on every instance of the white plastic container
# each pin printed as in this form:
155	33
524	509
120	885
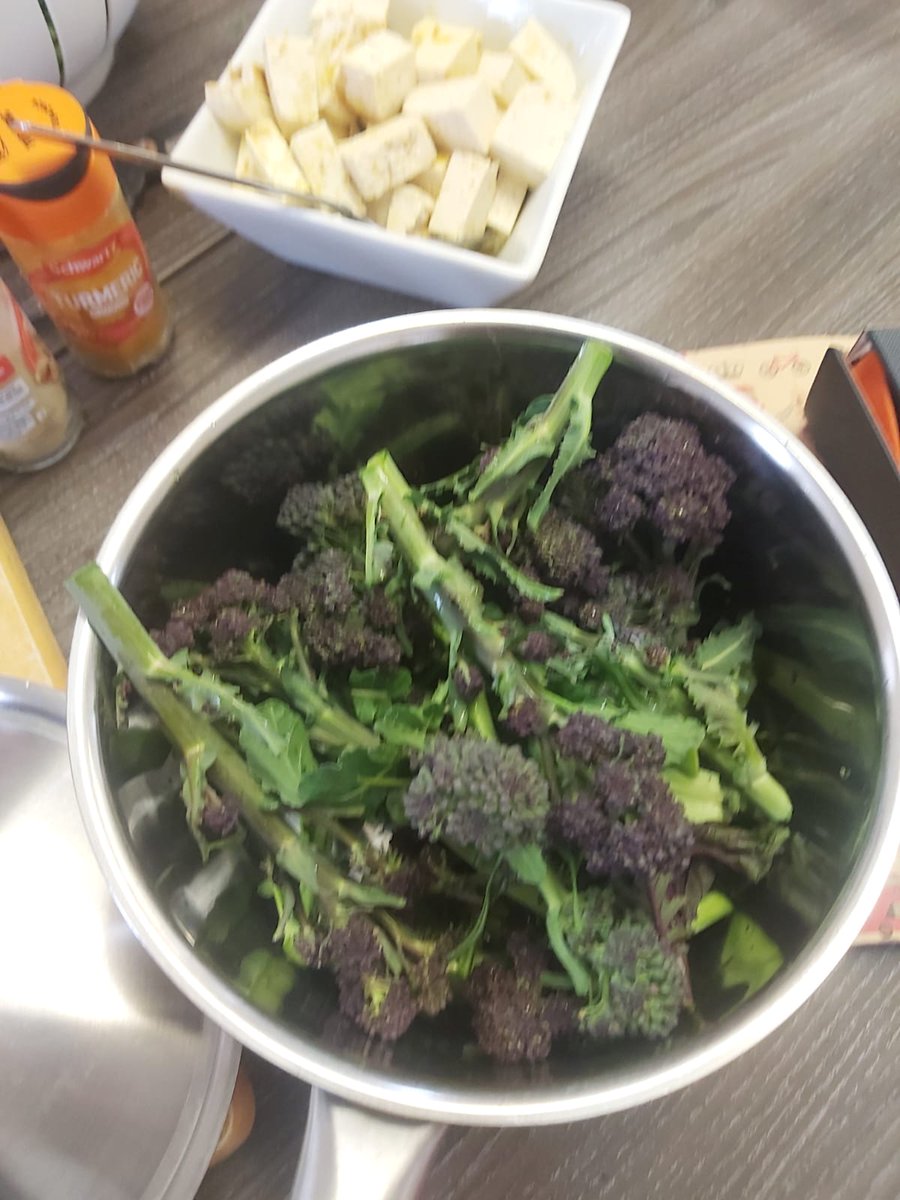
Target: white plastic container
73	44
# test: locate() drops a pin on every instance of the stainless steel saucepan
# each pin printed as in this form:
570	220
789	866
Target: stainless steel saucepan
430	386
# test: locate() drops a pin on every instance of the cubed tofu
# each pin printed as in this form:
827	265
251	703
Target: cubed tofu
347	21
431	179
460	113
507	203
333	107
245	167
492	242
543	58
409	209
503	75
387	155
377	75
316	152
531	134
290	65
378	210
444	51
271	157
464	201
239	98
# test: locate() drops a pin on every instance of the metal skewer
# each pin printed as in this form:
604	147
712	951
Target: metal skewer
153	159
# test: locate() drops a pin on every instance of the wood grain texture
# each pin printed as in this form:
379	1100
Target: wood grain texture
740	182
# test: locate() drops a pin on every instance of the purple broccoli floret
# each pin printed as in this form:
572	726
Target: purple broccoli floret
567	554
627	822
512	1018
592	740
468	681
658	471
369	994
645	985
478	793
537	646
322	514
525	718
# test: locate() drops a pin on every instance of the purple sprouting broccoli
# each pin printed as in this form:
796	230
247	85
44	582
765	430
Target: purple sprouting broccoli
233	624
645	986
481	794
468	680
428	973
626	822
525	719
220	816
537	646
590	739
322	586
513	1018
566	554
325	514
370	994
638	981
658	472
620	814
218	614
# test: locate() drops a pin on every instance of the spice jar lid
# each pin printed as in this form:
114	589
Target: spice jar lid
48	190
113	1085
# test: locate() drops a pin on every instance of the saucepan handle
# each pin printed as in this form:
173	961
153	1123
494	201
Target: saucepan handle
350	1152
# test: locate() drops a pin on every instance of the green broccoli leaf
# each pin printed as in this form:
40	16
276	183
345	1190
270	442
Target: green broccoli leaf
749	956
279	765
730	650
265	979
681	736
700	795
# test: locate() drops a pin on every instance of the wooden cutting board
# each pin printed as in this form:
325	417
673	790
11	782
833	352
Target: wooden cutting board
28	649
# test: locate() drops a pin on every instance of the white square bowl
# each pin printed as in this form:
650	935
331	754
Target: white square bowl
591	30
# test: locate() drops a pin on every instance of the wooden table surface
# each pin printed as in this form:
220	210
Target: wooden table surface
740	182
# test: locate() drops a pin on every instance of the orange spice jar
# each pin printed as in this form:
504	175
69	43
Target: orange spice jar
65	221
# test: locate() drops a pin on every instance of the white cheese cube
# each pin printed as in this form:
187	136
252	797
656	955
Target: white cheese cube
239	97
464	201
460	113
409	209
377	75
531	134
316	152
270	156
431	179
444	51
290	64
387	155
544	59
507	204
503	75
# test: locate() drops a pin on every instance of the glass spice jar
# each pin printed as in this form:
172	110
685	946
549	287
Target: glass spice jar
66	224
38	423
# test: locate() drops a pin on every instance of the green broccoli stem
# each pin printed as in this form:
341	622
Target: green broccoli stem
149	671
750	774
531	867
712	907
447	586
480	718
328	722
539	439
